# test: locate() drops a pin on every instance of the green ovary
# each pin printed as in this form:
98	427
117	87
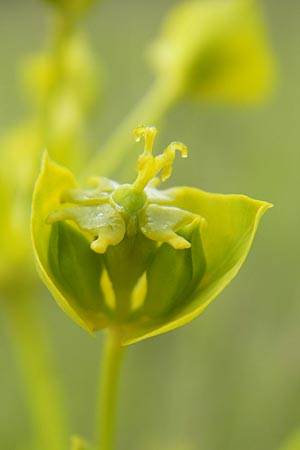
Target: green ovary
129	199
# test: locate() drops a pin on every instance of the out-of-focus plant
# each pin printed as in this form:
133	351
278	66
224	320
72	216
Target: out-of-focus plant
210	50
133	259
215	50
61	85
293	443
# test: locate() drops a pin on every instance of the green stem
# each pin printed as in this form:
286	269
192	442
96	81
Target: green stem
110	372
148	111
40	380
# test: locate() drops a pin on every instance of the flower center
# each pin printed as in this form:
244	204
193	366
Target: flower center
131	198
128	199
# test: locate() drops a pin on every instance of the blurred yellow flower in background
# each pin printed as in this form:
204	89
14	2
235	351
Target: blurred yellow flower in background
215	50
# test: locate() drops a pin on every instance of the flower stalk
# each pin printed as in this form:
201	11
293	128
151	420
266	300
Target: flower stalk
109	381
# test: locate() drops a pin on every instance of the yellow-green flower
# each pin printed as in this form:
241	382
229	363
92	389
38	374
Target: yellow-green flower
216	50
134	257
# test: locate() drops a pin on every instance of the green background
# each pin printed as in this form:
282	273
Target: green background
230	380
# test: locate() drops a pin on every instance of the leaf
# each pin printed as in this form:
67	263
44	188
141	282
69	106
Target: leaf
232	222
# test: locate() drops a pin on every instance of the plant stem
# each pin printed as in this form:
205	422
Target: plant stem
110	372
40	380
148	111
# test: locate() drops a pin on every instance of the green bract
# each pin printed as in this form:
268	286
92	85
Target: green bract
131	256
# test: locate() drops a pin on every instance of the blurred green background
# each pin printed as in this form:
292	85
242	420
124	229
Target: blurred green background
230	380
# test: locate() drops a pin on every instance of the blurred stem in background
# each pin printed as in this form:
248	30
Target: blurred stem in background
34	358
61	89
113	353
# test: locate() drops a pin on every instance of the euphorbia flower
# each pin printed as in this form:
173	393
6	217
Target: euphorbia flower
134	257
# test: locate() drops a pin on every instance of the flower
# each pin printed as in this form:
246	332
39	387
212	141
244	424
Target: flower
216	50
134	257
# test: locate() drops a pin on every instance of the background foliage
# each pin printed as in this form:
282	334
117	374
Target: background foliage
230	380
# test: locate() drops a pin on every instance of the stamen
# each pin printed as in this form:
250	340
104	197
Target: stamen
148	166
148	133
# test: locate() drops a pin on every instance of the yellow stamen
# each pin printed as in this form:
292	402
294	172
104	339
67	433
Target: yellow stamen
148	133
148	166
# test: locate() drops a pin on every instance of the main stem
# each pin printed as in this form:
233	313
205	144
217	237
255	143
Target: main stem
110	373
